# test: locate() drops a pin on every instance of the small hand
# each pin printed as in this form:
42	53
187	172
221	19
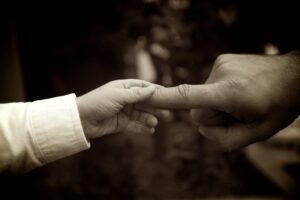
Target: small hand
111	108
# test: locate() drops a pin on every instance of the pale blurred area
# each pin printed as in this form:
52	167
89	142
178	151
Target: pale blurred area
54	50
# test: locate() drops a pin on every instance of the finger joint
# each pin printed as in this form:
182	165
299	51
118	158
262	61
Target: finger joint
184	90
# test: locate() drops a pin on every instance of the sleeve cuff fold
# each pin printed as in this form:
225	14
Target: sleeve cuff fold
56	128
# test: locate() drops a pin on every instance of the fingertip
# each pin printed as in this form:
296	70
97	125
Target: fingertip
146	130
152	130
152	121
145	91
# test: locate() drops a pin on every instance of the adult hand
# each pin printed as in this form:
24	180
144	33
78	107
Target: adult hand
247	98
111	108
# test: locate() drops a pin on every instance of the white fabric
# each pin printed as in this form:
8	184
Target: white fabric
33	134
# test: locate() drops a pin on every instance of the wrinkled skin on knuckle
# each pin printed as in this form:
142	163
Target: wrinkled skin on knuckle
236	84
158	92
239	87
184	91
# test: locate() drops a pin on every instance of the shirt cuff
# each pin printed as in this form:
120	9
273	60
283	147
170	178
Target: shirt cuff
56	128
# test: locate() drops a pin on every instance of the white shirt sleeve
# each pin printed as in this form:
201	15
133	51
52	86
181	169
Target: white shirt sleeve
33	134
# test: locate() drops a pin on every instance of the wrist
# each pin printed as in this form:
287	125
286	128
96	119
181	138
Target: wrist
83	118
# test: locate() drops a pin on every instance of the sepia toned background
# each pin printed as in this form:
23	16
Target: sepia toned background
50	49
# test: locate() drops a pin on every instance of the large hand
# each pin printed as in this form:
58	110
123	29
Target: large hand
110	108
247	98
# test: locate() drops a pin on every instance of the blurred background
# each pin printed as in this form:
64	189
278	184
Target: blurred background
49	49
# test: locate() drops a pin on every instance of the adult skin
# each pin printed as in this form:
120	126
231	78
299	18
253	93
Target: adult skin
246	98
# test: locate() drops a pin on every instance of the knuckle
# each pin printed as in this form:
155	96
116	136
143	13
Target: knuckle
223	58
220	58
223	63
184	90
239	84
235	84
